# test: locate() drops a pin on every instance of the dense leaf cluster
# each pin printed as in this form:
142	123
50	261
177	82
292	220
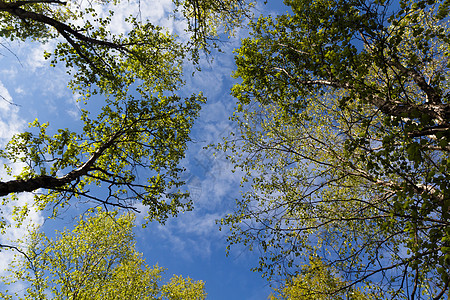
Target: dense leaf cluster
96	260
344	131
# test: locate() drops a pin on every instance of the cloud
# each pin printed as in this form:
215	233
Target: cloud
190	235
20	91
35	58
155	12
11	72
15	232
213	187
10	124
74	110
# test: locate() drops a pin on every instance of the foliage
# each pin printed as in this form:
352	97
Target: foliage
207	18
96	260
144	122
344	133
318	282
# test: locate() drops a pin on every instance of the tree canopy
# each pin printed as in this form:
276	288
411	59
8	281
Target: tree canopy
96	260
344	127
144	121
127	152
316	281
344	130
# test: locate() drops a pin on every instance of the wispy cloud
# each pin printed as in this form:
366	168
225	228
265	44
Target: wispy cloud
213	187
74	110
10	124
35	58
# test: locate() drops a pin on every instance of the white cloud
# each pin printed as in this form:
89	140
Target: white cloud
35	58
213	189
9	73
32	81
19	90
14	232
10	124
208	177
155	12
190	235
74	110
203	226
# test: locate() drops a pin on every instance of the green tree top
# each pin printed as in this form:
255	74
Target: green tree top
344	130
318	282
96	260
144	122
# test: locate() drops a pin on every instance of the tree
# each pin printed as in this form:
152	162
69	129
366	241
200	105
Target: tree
96	260
144	123
344	130
318	282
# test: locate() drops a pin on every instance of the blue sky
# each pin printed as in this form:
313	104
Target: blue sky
191	244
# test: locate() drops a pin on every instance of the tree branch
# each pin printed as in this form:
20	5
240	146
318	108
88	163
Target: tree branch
49	182
14	9
18	250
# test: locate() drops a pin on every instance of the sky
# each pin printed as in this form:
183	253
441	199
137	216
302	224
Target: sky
189	245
